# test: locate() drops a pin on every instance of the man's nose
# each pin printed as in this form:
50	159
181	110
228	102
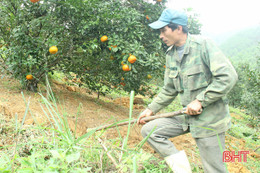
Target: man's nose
161	36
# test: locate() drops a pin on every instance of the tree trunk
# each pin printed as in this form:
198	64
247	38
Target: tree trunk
32	85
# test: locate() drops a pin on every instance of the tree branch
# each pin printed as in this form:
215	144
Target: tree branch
108	153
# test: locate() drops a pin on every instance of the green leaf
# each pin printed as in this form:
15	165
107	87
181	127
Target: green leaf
57	154
25	170
73	157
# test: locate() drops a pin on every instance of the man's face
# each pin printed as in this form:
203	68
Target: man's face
168	36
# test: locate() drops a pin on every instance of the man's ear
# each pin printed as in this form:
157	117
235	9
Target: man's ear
179	28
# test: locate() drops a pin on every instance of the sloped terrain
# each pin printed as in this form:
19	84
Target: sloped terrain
86	111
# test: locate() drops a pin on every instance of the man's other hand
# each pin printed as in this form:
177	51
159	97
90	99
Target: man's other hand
194	108
145	113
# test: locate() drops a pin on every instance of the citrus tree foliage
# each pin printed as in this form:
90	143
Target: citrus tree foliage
193	22
28	30
125	24
246	93
75	27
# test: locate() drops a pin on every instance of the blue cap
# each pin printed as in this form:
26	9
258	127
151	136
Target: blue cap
170	16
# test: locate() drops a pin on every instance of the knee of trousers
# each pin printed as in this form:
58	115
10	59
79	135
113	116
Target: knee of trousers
146	129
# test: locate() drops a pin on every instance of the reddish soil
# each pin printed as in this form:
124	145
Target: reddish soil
94	112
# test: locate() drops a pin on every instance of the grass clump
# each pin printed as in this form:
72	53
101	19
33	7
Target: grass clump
54	147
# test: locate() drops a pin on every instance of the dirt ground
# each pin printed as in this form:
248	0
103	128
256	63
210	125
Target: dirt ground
90	112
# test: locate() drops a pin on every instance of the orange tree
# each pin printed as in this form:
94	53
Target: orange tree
246	93
125	27
99	63
28	30
76	27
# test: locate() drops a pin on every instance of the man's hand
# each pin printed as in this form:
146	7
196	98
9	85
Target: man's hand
194	108
145	113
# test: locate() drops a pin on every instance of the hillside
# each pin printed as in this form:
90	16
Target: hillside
242	46
90	113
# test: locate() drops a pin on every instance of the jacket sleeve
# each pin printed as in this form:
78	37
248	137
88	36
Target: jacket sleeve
224	76
166	95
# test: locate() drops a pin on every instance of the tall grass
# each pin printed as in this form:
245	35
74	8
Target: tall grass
54	147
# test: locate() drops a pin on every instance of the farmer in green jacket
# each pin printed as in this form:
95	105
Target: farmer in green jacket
201	75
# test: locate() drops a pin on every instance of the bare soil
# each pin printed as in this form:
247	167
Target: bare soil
92	112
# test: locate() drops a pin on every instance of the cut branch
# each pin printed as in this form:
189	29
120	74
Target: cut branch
108	153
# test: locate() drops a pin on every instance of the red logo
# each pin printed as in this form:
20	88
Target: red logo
231	156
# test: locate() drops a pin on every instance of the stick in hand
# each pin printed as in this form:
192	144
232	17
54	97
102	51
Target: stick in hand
146	119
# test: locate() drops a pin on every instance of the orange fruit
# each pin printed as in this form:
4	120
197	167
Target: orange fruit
122	63
149	76
34	1
122	83
122	78
131	59
29	77
126	68
159	0
104	38
114	46
147	17
53	50
164	66
111	57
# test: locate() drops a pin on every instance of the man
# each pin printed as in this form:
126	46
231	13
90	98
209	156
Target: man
201	75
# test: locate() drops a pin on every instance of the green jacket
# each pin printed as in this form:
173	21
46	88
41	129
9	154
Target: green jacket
203	73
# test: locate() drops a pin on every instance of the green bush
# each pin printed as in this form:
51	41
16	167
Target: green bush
246	93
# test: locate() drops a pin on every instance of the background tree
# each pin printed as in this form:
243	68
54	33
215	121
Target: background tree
28	31
246	93
75	27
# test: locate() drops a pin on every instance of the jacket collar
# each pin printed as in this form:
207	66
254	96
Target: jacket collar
187	45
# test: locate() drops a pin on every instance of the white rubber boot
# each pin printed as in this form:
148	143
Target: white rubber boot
178	162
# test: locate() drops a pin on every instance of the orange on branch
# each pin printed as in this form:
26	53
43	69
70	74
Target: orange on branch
131	59
126	68
34	1
122	83
29	77
114	46
104	38
53	50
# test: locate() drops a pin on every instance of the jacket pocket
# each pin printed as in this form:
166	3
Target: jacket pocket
196	78
174	76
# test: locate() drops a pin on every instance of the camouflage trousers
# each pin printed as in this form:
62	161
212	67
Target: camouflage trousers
165	128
